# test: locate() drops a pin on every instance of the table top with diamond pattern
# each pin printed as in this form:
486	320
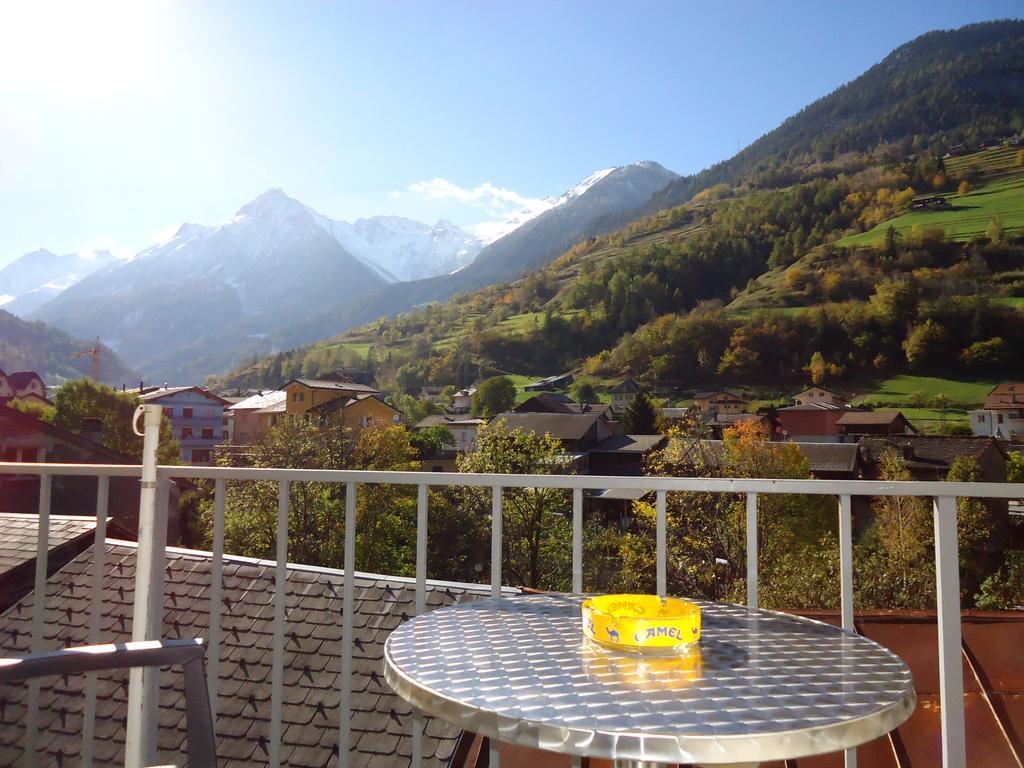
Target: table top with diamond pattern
761	685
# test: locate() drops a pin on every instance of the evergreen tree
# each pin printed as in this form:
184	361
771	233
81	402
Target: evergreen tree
640	417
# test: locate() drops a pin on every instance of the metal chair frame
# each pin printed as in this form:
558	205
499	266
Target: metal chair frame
189	654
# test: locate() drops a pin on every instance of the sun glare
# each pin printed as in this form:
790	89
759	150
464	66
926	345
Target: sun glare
78	51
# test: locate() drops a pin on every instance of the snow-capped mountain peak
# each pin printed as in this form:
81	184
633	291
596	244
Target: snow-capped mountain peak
30	281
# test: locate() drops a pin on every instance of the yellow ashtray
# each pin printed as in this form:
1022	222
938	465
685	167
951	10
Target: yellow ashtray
649	672
641	622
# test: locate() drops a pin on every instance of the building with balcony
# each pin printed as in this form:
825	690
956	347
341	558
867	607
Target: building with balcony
720	401
197	418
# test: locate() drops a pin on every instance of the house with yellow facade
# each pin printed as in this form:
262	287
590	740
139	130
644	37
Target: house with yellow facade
357	412
302	395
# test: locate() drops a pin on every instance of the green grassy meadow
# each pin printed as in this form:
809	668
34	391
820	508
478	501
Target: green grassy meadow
900	390
969	217
1001	194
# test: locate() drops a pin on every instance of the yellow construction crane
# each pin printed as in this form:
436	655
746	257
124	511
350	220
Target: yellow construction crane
95	352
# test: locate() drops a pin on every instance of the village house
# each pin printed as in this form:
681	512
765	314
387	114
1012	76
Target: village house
811	422
932	203
197	418
23	386
356	412
251	418
816	395
305	394
1003	414
550	384
623	394
553	402
24	438
856	424
462	400
720	401
577	432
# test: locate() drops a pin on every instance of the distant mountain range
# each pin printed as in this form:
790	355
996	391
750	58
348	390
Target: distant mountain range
33	279
580	212
279	273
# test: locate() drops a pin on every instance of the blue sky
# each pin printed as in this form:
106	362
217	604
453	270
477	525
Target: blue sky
119	120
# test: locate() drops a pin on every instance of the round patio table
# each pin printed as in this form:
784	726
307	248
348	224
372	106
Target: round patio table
759	686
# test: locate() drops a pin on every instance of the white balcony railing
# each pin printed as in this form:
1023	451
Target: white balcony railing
149	600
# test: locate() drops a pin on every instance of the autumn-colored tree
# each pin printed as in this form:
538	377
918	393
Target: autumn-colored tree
995	230
706	555
975	529
964	187
893	560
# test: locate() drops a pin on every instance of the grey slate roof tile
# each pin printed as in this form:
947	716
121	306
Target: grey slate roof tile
381	723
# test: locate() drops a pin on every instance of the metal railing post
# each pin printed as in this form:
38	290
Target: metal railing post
347	637
421	605
216	596
96	616
752	600
38	616
661	545
143	688
493	753
951	673
846	584
277	659
577	540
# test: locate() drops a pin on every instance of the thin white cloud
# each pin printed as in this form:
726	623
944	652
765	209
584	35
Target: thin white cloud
107	243
486	195
506	207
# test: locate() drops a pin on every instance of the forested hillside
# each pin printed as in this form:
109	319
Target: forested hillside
809	263
36	346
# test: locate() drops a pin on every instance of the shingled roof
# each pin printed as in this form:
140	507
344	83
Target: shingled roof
18	541
381	722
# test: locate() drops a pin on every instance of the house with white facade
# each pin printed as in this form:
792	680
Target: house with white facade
816	395
1003	414
197	419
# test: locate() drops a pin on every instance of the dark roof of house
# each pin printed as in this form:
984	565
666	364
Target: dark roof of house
625	387
28	421
1009	394
814	407
562	426
866	418
19	536
545	402
928	451
831	457
381	722
629	444
343	386
20	379
734	418
340	403
442	420
823	457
